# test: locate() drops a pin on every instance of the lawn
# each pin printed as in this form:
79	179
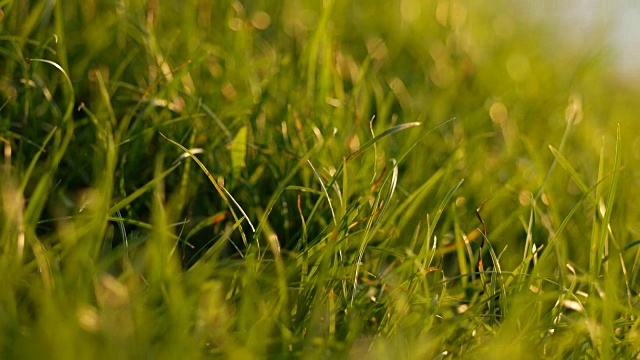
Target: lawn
314	179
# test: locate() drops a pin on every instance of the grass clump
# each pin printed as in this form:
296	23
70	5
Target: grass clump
312	180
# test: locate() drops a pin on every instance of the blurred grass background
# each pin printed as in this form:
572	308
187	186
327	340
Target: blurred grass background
322	220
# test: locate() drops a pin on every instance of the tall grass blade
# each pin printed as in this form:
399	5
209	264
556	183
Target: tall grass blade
604	227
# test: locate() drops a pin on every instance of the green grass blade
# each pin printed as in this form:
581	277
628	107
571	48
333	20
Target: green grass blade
34	161
574	175
379	208
71	99
436	218
379	137
324	191
223	193
239	151
602	239
143	189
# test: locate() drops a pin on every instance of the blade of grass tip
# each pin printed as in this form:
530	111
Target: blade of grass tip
499	278
410	205
209	220
392	189
6	102
69	110
324	190
382	135
218	187
123	232
39	196
372	222
414	238
576	178
122	191
565	136
253	229
106	98
12	135
528	241
211	114
609	206
463	267
345	191
490	287
375	151
122	66
319	243
187	154
358	152
212	252
304	271
239	151
423	137
574	175
627	284
436	218
123	124
520	271
483	234
406	210
303	189
276	194
336	188
61	144
593	250
556	235
611	269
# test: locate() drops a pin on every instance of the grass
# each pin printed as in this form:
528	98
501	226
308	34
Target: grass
298	179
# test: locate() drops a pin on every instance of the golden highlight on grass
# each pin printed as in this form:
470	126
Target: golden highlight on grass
409	180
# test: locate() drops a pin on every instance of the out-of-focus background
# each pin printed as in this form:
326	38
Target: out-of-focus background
618	20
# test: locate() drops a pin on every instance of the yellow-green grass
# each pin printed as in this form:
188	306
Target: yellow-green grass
313	179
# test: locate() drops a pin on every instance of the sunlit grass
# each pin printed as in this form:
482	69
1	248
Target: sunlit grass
426	179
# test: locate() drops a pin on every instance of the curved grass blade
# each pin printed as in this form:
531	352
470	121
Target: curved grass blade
551	243
276	194
574	175
69	111
221	190
436	218
358	152
211	114
373	221
565	136
324	190
382	135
